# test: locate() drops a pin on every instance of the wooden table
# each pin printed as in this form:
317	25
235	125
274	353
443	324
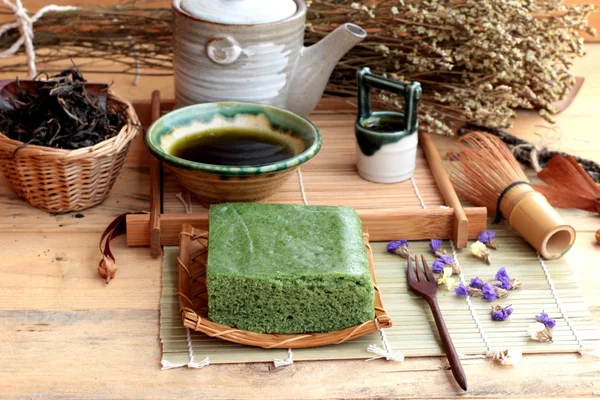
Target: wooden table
65	334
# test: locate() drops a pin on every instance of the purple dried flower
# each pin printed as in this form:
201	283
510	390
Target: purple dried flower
441	262
501	313
502	274
476	283
395	245
505	281
488	238
461	290
435	245
489	292
498	315
546	320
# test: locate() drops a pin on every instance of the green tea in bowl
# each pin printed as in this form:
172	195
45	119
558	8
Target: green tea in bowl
231	151
233	146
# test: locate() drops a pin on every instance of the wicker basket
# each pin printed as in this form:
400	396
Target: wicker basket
193	302
57	180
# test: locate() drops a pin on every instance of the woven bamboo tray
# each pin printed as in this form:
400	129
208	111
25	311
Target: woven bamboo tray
193	303
388	211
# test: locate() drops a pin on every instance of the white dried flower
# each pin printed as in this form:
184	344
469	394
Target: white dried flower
445	278
480	251
539	332
506	357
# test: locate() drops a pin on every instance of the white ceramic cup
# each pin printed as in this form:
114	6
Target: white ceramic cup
392	163
386	141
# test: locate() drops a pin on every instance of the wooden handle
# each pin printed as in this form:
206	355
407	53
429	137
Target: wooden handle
155	188
461	223
451	354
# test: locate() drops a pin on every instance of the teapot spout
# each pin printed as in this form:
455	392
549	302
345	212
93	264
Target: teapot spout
315	65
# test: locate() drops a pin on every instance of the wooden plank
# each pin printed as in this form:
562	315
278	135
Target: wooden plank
382	224
461	222
62	330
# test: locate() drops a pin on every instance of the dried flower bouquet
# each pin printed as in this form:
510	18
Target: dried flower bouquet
477	60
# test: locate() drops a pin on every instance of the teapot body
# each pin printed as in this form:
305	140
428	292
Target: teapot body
219	62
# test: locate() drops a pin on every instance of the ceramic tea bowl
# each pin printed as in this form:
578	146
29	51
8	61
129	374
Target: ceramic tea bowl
213	184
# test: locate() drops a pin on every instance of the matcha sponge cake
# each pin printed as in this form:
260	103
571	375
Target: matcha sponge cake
287	269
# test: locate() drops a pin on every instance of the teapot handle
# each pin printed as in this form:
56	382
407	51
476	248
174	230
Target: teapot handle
411	93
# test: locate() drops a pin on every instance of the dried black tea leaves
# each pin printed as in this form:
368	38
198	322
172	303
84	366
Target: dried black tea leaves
63	112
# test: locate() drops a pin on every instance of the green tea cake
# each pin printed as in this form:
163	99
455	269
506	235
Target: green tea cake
287	269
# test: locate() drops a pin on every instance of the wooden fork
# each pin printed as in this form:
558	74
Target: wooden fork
424	283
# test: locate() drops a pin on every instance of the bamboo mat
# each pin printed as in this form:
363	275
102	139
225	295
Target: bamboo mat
413	332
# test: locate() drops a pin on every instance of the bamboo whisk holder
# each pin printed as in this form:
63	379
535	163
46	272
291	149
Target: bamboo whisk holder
529	213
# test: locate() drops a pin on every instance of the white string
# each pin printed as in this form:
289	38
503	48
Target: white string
386	352
469	302
416	189
462	279
290	360
582	349
284	363
186	205
138	76
473	357
301	182
25	25
166	365
192	363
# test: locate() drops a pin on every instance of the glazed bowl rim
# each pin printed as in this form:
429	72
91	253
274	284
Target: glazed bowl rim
311	150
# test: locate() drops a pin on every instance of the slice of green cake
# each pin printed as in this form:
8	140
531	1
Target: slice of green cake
287	269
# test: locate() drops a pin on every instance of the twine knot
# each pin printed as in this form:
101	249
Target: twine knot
536	148
107	268
388	355
284	363
25	25
386	352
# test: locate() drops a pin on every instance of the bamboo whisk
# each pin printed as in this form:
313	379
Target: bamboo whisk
487	174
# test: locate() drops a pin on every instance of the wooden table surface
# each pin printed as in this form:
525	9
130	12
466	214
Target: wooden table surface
65	334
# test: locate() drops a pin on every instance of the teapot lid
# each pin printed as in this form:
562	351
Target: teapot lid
240	12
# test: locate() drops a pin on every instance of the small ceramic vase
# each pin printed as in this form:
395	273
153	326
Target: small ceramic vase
386	140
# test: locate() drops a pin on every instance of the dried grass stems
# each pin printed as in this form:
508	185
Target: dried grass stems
132	35
477	60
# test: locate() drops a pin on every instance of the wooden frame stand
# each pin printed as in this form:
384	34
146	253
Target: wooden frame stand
445	220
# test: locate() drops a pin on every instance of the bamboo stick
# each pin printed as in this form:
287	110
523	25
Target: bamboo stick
183	275
461	223
155	188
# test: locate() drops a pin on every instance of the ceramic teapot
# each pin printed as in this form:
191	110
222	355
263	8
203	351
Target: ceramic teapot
253	50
